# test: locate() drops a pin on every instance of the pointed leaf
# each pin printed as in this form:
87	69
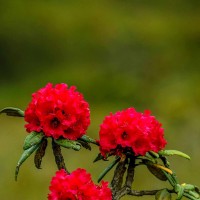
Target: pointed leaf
173	152
15	112
147	158
24	156
84	144
170	178
179	190
99	157
169	171
194	194
154	154
32	139
88	139
188	186
70	144
157	172
163	195
108	169
197	189
104	158
189	196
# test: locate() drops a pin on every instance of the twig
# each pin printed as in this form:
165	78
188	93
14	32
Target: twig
129	180
146	192
117	180
130	172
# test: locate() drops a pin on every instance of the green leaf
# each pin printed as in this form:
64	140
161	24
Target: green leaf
84	144
153	154
188	186
24	156
194	194
147	158
163	195
99	157
189	196
180	191
32	139
86	138
170	178
173	152
104	158
157	172
69	144
197	189
10	111
108	169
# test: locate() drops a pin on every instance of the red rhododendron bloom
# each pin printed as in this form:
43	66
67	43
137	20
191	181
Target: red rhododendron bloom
77	186
129	129
58	111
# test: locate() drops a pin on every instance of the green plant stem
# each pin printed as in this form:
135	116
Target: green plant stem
101	176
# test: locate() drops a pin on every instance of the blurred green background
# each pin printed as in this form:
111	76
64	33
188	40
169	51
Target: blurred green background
119	54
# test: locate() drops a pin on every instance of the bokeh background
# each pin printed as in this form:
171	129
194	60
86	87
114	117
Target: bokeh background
119	54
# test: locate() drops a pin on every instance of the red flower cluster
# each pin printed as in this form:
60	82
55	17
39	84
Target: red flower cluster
77	186
140	132
58	111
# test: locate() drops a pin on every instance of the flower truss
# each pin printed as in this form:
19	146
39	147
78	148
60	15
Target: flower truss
77	185
133	130
59	113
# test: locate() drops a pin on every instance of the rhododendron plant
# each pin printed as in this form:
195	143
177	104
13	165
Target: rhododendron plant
59	113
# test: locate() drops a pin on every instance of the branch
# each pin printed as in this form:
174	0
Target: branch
129	180
146	192
117	180
130	173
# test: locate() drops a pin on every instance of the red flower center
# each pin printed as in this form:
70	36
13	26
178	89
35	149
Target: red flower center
55	122
68	131
124	135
